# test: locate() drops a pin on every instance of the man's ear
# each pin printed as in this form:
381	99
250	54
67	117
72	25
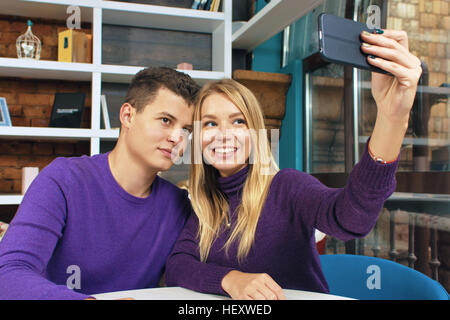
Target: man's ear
127	112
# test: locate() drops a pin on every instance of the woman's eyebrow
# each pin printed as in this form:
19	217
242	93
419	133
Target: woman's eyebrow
209	116
236	114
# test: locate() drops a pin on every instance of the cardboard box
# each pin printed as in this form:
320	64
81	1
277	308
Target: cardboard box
74	46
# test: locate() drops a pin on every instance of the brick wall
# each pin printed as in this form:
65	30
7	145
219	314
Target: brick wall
428	26
30	103
46	30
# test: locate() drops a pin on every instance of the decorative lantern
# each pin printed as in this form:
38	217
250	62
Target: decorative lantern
28	45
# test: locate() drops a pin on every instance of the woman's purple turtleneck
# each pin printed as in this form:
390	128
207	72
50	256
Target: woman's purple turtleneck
284	245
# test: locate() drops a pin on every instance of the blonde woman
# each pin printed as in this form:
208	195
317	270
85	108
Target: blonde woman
252	232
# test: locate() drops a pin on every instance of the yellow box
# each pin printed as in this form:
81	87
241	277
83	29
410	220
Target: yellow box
74	46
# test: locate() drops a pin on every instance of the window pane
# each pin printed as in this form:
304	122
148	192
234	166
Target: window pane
426	146
326	107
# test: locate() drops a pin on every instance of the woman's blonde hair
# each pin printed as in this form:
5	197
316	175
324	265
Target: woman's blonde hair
208	202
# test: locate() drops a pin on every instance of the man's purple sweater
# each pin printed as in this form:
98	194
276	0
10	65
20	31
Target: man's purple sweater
284	245
77	227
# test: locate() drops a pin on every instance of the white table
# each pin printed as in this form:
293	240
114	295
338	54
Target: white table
177	293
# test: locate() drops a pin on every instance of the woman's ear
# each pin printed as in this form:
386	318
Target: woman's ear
127	112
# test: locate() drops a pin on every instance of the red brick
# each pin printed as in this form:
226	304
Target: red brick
41	30
10	37
11	98
47	53
20	122
6	186
11	51
7	85
50	40
5	25
48	87
18	26
15	109
9	160
16	148
35	99
64	149
25	86
42	123
17	186
40	161
10	173
36	112
3	50
42	148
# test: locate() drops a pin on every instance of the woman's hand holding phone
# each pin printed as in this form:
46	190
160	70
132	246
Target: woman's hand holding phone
394	94
251	286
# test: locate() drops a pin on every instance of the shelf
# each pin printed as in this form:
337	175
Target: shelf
44	133
124	74
10	199
42	69
107	134
39	133
119	13
55	10
160	17
273	18
99	13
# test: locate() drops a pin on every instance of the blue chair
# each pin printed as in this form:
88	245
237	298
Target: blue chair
370	278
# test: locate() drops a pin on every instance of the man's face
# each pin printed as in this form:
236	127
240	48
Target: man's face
157	136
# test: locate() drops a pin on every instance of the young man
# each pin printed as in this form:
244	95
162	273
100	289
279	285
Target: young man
105	223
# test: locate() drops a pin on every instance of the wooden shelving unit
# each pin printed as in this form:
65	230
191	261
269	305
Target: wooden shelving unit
98	13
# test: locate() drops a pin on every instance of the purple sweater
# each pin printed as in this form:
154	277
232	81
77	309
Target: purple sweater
75	219
284	245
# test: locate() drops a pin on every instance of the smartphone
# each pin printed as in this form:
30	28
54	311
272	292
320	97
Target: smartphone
340	42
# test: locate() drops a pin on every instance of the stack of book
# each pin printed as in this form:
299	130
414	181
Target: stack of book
211	5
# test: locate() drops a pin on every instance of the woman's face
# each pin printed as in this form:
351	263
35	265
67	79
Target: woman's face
225	136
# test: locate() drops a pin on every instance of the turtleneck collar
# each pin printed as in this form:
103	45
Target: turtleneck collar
233	183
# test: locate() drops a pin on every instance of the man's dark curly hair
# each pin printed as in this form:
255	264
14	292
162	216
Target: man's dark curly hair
146	83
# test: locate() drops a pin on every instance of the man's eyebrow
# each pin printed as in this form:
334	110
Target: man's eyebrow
168	115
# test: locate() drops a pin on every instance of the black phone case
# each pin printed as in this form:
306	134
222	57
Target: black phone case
340	42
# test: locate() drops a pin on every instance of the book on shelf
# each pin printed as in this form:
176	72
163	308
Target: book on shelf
67	110
207	5
215	6
5	119
202	4
115	94
105	113
196	4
